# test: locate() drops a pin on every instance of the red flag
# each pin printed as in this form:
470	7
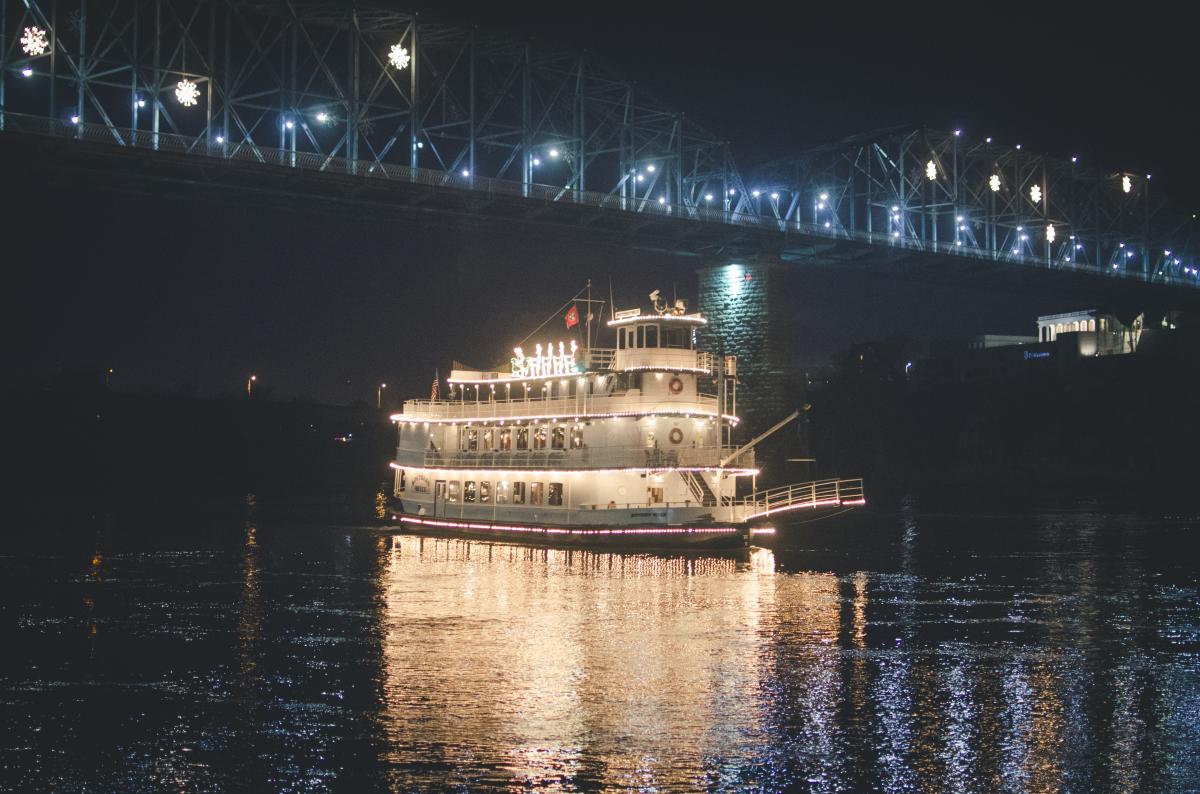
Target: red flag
572	316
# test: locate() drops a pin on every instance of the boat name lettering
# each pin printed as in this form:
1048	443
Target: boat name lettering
541	365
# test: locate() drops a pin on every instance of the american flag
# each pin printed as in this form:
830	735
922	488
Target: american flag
433	390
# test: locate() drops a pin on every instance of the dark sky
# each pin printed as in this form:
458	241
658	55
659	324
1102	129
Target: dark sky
175	292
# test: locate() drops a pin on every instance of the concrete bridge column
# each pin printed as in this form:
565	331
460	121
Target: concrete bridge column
746	303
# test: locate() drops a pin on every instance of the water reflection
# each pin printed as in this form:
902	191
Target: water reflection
927	655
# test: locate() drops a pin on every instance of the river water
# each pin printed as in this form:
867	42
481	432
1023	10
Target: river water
967	653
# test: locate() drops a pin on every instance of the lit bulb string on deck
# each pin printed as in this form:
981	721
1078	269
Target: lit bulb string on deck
551	530
485	421
562	472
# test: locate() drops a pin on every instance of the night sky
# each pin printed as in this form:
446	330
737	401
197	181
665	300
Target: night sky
186	294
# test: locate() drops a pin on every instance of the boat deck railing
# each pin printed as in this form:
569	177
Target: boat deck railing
585	458
541	407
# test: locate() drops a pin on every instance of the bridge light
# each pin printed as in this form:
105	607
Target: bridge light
756	193
1020	228
821	205
828	224
958	242
187	93
895	234
34	42
554	155
1074	159
931	170
708	196
650	168
1122	245
895	208
1050	233
398	57
141	102
420	144
959	219
775	196
27	72
988	139
994	183
1024	236
1126	183
824	197
289	124
732	191
74	119
641	177
465	172
1018	146
322	117
220	139
536	162
957	133
1078	246
1116	266
1167	253
1035	193
662	200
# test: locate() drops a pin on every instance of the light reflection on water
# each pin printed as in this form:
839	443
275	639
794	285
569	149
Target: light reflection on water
1036	653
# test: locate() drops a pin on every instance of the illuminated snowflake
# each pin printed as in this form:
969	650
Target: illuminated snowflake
34	42
1050	233
187	93
994	183
1035	193
931	170
1126	184
398	57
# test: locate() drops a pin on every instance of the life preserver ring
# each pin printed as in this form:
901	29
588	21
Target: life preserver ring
675	386
676	435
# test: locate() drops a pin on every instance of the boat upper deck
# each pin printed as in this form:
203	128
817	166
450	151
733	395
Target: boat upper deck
491	407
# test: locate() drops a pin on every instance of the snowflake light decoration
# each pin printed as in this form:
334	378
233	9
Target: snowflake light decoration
931	170
1126	184
994	183
187	93
1050	233
34	42
1035	193
398	56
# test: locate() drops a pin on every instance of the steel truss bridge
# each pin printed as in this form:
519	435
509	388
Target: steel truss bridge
377	110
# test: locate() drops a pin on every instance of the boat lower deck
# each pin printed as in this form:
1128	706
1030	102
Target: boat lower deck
698	537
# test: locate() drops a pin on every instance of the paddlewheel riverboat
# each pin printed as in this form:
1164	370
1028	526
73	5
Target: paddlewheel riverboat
628	445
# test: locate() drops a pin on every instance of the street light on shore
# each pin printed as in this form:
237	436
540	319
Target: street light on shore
250	385
379	395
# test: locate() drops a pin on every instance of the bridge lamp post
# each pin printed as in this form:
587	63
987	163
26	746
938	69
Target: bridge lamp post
379	395
250	385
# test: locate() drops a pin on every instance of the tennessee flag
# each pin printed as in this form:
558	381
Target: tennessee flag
572	317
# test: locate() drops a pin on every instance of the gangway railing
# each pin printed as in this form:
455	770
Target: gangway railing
819	493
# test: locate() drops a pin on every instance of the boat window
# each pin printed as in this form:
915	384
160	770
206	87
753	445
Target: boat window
485	491
522	438
506	439
452	491
651	336
556	493
518	493
640	339
472	439
577	438
535	493
502	490
469	491
675	337
539	438
400	481
655	494
421	484
558	440
489	437
620	339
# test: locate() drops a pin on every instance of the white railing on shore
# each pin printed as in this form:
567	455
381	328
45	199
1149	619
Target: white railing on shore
566	459
587	405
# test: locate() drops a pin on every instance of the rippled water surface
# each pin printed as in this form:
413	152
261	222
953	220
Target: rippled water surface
934	653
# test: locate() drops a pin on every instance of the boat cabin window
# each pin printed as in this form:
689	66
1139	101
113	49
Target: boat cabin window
506	439
469	491
651	336
576	438
452	490
556	493
558	440
502	491
539	438
518	493
485	491
678	338
522	438
488	440
535	493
